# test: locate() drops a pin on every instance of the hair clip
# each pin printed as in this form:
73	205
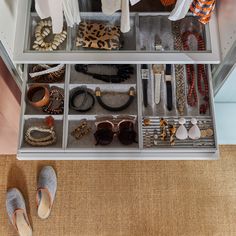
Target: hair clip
82	130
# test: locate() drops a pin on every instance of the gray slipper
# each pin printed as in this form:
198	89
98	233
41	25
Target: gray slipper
47	187
16	210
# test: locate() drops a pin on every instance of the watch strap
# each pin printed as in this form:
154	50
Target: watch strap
157	91
169	95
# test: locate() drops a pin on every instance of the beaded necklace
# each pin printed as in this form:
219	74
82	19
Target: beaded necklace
201	74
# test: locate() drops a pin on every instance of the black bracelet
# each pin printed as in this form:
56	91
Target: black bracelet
114	109
123	73
87	96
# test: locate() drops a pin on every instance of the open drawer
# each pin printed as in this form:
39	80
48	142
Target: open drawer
137	46
146	120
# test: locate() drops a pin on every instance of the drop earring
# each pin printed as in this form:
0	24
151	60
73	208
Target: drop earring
194	132
163	125
182	132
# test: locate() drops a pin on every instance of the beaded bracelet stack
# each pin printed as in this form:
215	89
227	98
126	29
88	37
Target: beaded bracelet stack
43	29
48	128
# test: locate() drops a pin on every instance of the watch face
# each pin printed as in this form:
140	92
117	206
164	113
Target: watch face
145	73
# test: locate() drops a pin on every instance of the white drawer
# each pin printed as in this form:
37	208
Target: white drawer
67	148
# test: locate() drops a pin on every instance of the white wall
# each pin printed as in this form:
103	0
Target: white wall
225	106
8	24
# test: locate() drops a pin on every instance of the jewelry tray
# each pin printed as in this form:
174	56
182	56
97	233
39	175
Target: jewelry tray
141	37
67	145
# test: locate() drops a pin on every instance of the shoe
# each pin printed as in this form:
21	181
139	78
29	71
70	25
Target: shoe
47	187
16	210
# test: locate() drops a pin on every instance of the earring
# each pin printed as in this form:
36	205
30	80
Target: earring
163	125
155	137
172	131
182	132
194	132
147	139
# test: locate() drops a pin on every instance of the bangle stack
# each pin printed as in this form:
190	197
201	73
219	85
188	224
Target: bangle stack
51	101
42	30
86	98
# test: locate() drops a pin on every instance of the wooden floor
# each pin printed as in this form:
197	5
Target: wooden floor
130	198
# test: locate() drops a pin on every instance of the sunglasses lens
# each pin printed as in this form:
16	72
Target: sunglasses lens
126	134
104	125
104	134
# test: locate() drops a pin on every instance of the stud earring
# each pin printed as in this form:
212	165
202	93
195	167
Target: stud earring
182	132
155	137
147	139
194	132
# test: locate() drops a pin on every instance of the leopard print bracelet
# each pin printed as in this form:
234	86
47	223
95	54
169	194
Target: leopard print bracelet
53	77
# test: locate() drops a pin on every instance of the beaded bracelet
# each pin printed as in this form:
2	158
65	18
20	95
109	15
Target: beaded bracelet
44	29
56	102
43	141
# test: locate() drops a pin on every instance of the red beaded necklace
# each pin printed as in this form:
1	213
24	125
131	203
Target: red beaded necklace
201	74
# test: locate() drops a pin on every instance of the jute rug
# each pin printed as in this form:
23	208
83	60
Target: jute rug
130	198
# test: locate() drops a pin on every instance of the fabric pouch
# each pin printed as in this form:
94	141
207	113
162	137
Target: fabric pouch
98	36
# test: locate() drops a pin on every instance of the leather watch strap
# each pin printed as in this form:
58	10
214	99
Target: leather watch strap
169	87
169	95
145	77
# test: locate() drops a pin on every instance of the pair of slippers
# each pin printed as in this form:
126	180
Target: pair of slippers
15	203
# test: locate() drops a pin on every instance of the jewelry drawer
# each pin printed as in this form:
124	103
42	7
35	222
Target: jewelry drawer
67	147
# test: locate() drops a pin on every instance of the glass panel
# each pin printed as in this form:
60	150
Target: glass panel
150	32
157	33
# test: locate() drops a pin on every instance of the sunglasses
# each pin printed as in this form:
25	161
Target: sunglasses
124	130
